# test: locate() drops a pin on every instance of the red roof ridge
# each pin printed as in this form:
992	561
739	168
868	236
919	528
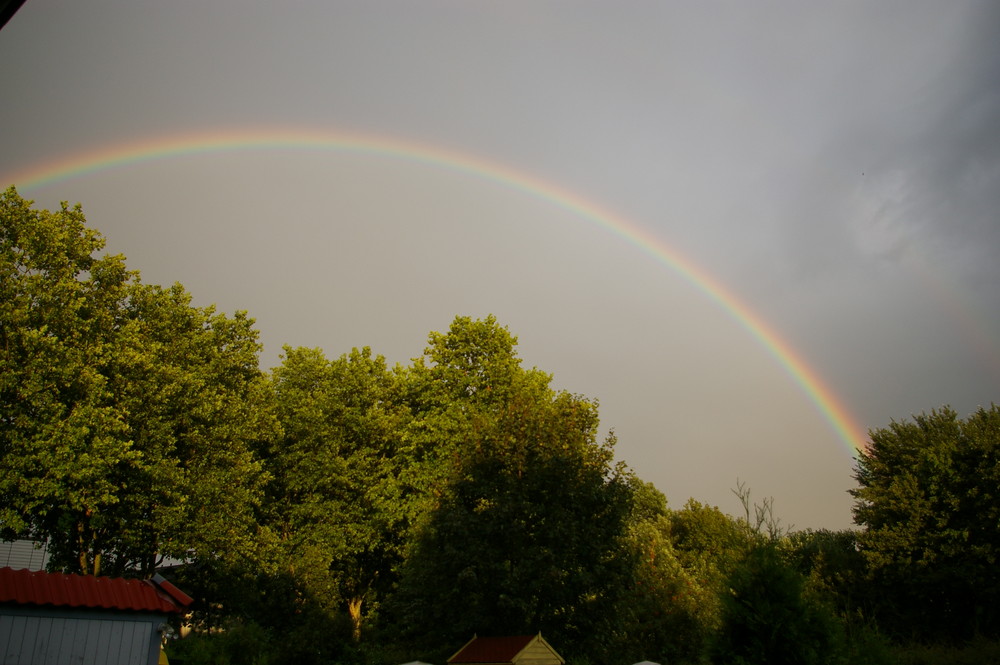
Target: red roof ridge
176	594
32	587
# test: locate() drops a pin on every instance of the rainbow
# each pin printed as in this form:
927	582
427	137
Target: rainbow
116	156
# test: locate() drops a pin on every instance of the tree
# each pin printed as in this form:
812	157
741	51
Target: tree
709	542
835	570
334	498
198	410
63	442
688	555
461	383
835	566
929	499
527	511
769	618
669	610
128	416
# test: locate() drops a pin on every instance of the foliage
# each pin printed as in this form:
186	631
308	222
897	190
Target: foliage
975	652
334	499
237	644
928	497
767	617
64	446
668	611
128	416
344	511
835	567
708	541
454	392
198	408
525	534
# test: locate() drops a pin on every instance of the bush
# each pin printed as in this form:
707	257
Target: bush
311	640
976	652
767	617
865	645
238	644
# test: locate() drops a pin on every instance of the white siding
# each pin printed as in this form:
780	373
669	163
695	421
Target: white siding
18	554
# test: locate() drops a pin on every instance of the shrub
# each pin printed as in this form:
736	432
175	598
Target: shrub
768	618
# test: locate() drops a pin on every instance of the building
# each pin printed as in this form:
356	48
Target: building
55	618
515	650
24	553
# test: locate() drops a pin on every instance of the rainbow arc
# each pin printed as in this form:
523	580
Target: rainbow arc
110	157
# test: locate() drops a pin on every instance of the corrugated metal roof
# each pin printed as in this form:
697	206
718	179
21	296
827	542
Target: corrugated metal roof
29	587
492	649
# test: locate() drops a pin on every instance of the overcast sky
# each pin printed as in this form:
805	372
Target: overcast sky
834	166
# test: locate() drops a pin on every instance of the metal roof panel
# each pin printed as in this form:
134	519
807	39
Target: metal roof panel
29	587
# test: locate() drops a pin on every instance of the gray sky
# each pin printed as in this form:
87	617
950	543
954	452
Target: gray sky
836	166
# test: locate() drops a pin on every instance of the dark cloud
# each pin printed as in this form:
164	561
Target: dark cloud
910	169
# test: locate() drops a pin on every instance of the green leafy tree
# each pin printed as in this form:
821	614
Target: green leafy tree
198	409
459	386
834	565
334	500
668	612
929	498
702	548
769	618
64	443
526	509
709	543
128	416
836	571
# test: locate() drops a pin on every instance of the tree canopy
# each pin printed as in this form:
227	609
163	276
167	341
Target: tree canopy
334	497
347	511
128	416
929	498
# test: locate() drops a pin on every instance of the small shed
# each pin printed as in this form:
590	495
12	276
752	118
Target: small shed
513	650
56	618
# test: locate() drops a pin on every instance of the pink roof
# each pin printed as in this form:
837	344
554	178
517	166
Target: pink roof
492	649
29	587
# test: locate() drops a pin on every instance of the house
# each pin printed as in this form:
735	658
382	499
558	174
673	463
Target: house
22	553
516	650
56	618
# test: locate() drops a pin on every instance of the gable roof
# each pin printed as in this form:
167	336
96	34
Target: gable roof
29	587
497	650
492	649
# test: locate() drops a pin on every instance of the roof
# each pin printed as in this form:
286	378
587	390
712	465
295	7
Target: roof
29	587
492	649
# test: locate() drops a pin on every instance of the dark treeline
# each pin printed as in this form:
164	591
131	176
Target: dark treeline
342	510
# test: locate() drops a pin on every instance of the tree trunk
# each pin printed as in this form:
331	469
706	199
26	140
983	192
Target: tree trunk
354	610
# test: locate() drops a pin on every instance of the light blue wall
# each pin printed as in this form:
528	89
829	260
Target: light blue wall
47	636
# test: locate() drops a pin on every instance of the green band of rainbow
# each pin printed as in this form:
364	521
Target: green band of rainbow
832	409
